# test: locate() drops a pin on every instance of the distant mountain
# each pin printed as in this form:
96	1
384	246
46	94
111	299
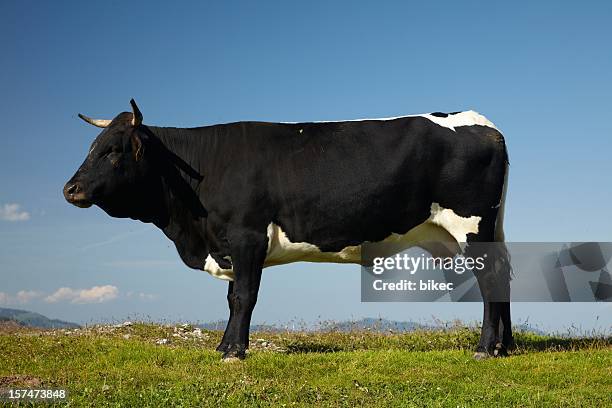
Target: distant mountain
31	319
377	325
222	324
372	324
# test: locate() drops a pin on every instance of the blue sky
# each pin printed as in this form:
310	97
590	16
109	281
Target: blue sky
541	71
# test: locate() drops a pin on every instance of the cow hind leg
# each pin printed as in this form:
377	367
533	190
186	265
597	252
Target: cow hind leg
504	340
489	337
494	283
505	330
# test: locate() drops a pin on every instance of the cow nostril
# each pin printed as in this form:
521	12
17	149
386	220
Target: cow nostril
73	189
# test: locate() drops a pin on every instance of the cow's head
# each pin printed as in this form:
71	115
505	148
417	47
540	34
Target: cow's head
116	172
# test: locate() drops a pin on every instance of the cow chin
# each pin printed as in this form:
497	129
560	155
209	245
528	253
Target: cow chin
79	200
82	204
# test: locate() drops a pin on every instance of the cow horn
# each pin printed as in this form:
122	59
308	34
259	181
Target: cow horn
137	119
101	123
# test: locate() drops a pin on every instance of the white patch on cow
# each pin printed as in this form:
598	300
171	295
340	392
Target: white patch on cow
443	226
211	266
456	225
467	118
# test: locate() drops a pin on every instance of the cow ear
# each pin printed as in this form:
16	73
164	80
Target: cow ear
137	146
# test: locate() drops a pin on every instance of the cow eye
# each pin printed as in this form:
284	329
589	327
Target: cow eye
113	156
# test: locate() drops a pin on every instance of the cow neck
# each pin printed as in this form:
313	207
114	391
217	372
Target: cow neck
185	219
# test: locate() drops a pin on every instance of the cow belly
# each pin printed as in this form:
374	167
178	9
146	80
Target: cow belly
442	226
441	234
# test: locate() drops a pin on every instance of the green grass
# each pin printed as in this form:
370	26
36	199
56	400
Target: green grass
104	366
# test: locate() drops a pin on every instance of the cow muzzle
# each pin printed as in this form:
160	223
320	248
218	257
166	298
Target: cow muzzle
73	192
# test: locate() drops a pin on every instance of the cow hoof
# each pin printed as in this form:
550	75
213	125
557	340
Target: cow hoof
481	355
500	351
233	354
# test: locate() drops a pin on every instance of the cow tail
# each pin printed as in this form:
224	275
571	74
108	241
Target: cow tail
505	268
499	221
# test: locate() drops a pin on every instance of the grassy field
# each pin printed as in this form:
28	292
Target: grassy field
153	365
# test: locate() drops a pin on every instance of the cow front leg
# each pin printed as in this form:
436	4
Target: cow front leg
223	346
248	251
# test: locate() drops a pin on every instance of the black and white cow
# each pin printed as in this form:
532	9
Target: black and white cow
237	197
